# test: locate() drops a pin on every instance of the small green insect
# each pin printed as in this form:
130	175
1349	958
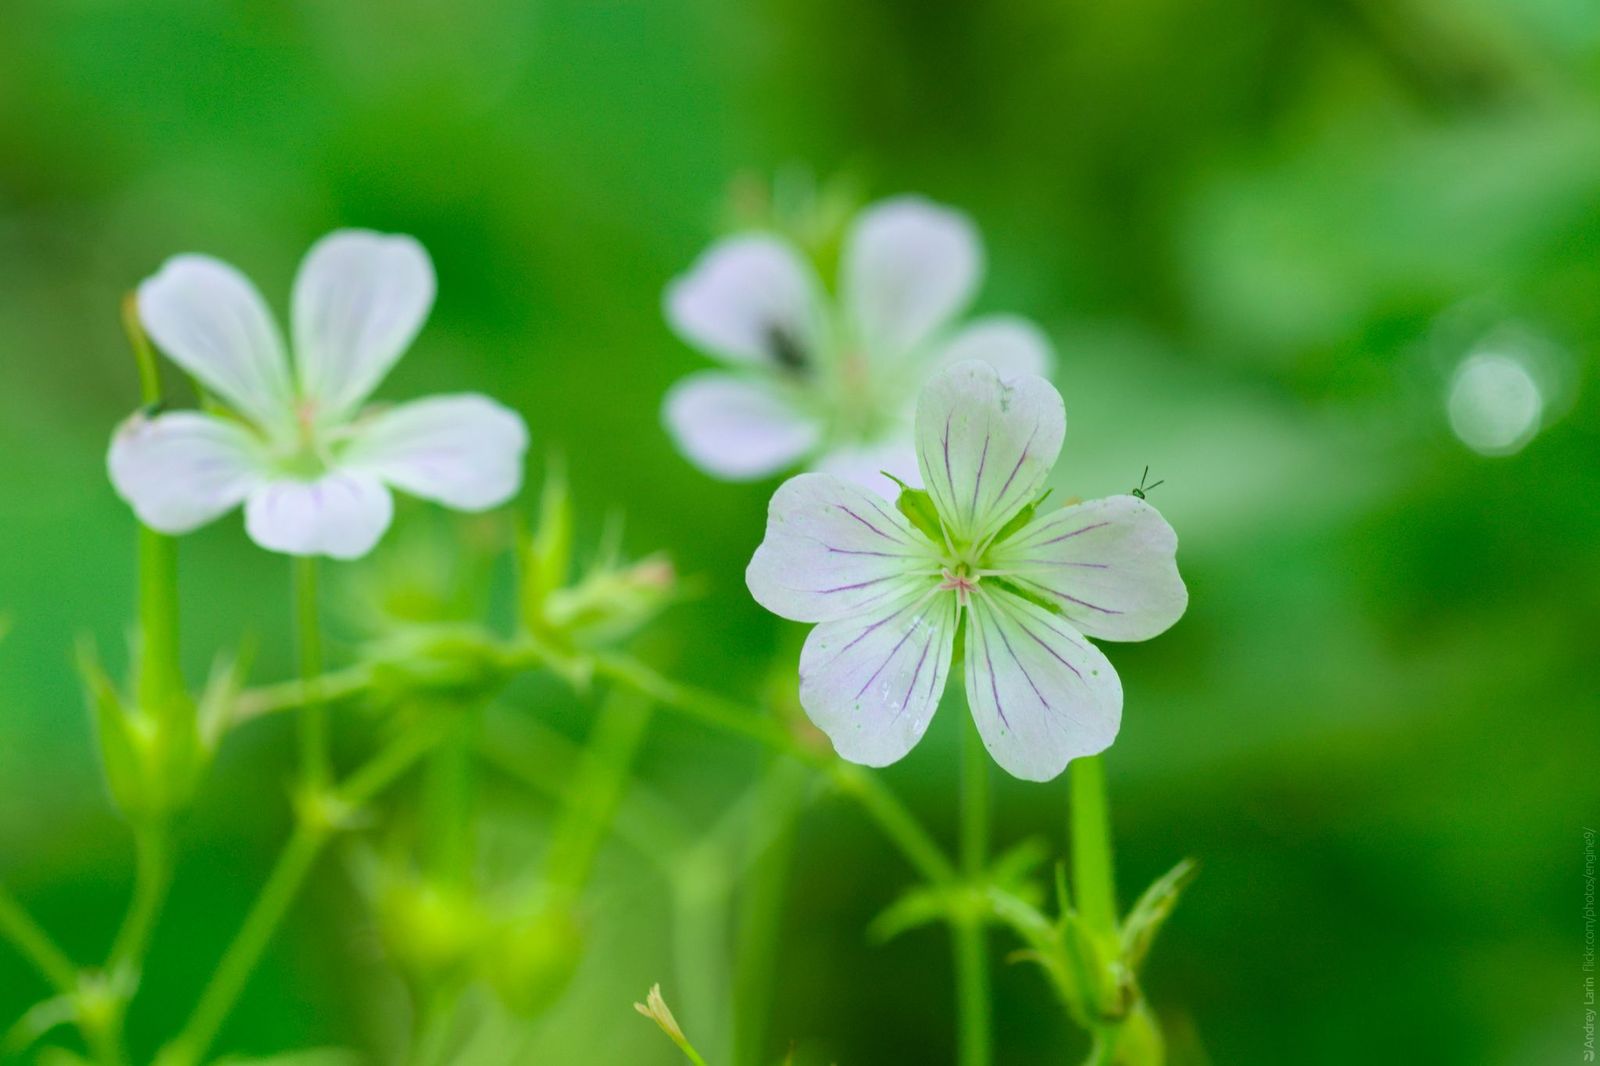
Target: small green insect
1143	488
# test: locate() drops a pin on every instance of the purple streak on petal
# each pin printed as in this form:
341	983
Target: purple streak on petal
864	522
1074	533
994	687
1020	460
1018	660
983	461
909	633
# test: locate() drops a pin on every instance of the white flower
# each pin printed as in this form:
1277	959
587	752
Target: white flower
889	594
312	468
831	384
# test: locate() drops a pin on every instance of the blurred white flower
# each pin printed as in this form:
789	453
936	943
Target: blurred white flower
825	383
889	587
312	468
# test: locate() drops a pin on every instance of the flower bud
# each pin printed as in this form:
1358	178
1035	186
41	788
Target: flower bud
531	959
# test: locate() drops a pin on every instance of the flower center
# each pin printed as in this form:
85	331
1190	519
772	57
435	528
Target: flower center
962	581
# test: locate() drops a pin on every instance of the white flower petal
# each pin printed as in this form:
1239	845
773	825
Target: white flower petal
864	465
181	470
872	682
342	514
1039	692
748	299
211	321
833	550
462	451
735	428
1110	564
1011	344
986	446
909	267
359	299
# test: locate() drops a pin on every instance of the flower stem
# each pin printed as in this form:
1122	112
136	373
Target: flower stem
880	804
313	712
294	863
761	907
970	942
1094	879
35	945
596	791
152	876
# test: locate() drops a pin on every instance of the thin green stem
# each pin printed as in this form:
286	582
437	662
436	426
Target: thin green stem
601	777
293	865
35	945
881	805
449	798
970	941
152	877
761	908
546	762
893	818
313	713
1093	876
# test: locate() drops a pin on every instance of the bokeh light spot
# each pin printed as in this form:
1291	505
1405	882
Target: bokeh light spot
1494	404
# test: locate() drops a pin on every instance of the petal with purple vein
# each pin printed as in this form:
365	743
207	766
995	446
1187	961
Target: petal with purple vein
1039	692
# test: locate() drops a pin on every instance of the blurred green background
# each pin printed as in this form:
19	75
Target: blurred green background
1266	236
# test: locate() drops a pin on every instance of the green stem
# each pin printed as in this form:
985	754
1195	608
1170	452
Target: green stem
449	798
881	805
896	822
597	789
283	884
545	761
313	713
1093	877
152	877
35	945
761	908
970	941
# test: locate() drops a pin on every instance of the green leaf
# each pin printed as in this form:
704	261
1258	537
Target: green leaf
919	510
1151	911
920	906
122	743
547	556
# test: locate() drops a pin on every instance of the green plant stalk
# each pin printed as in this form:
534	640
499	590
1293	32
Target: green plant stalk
314	764
152	877
892	817
596	793
701	894
1093	876
35	945
970	942
545	762
761	908
449	799
289	872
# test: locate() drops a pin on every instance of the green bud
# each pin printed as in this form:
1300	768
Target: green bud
153	762
531	959
432	931
919	510
547	555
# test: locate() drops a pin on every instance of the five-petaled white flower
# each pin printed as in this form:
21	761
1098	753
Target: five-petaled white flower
312	468
832	387
889	595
